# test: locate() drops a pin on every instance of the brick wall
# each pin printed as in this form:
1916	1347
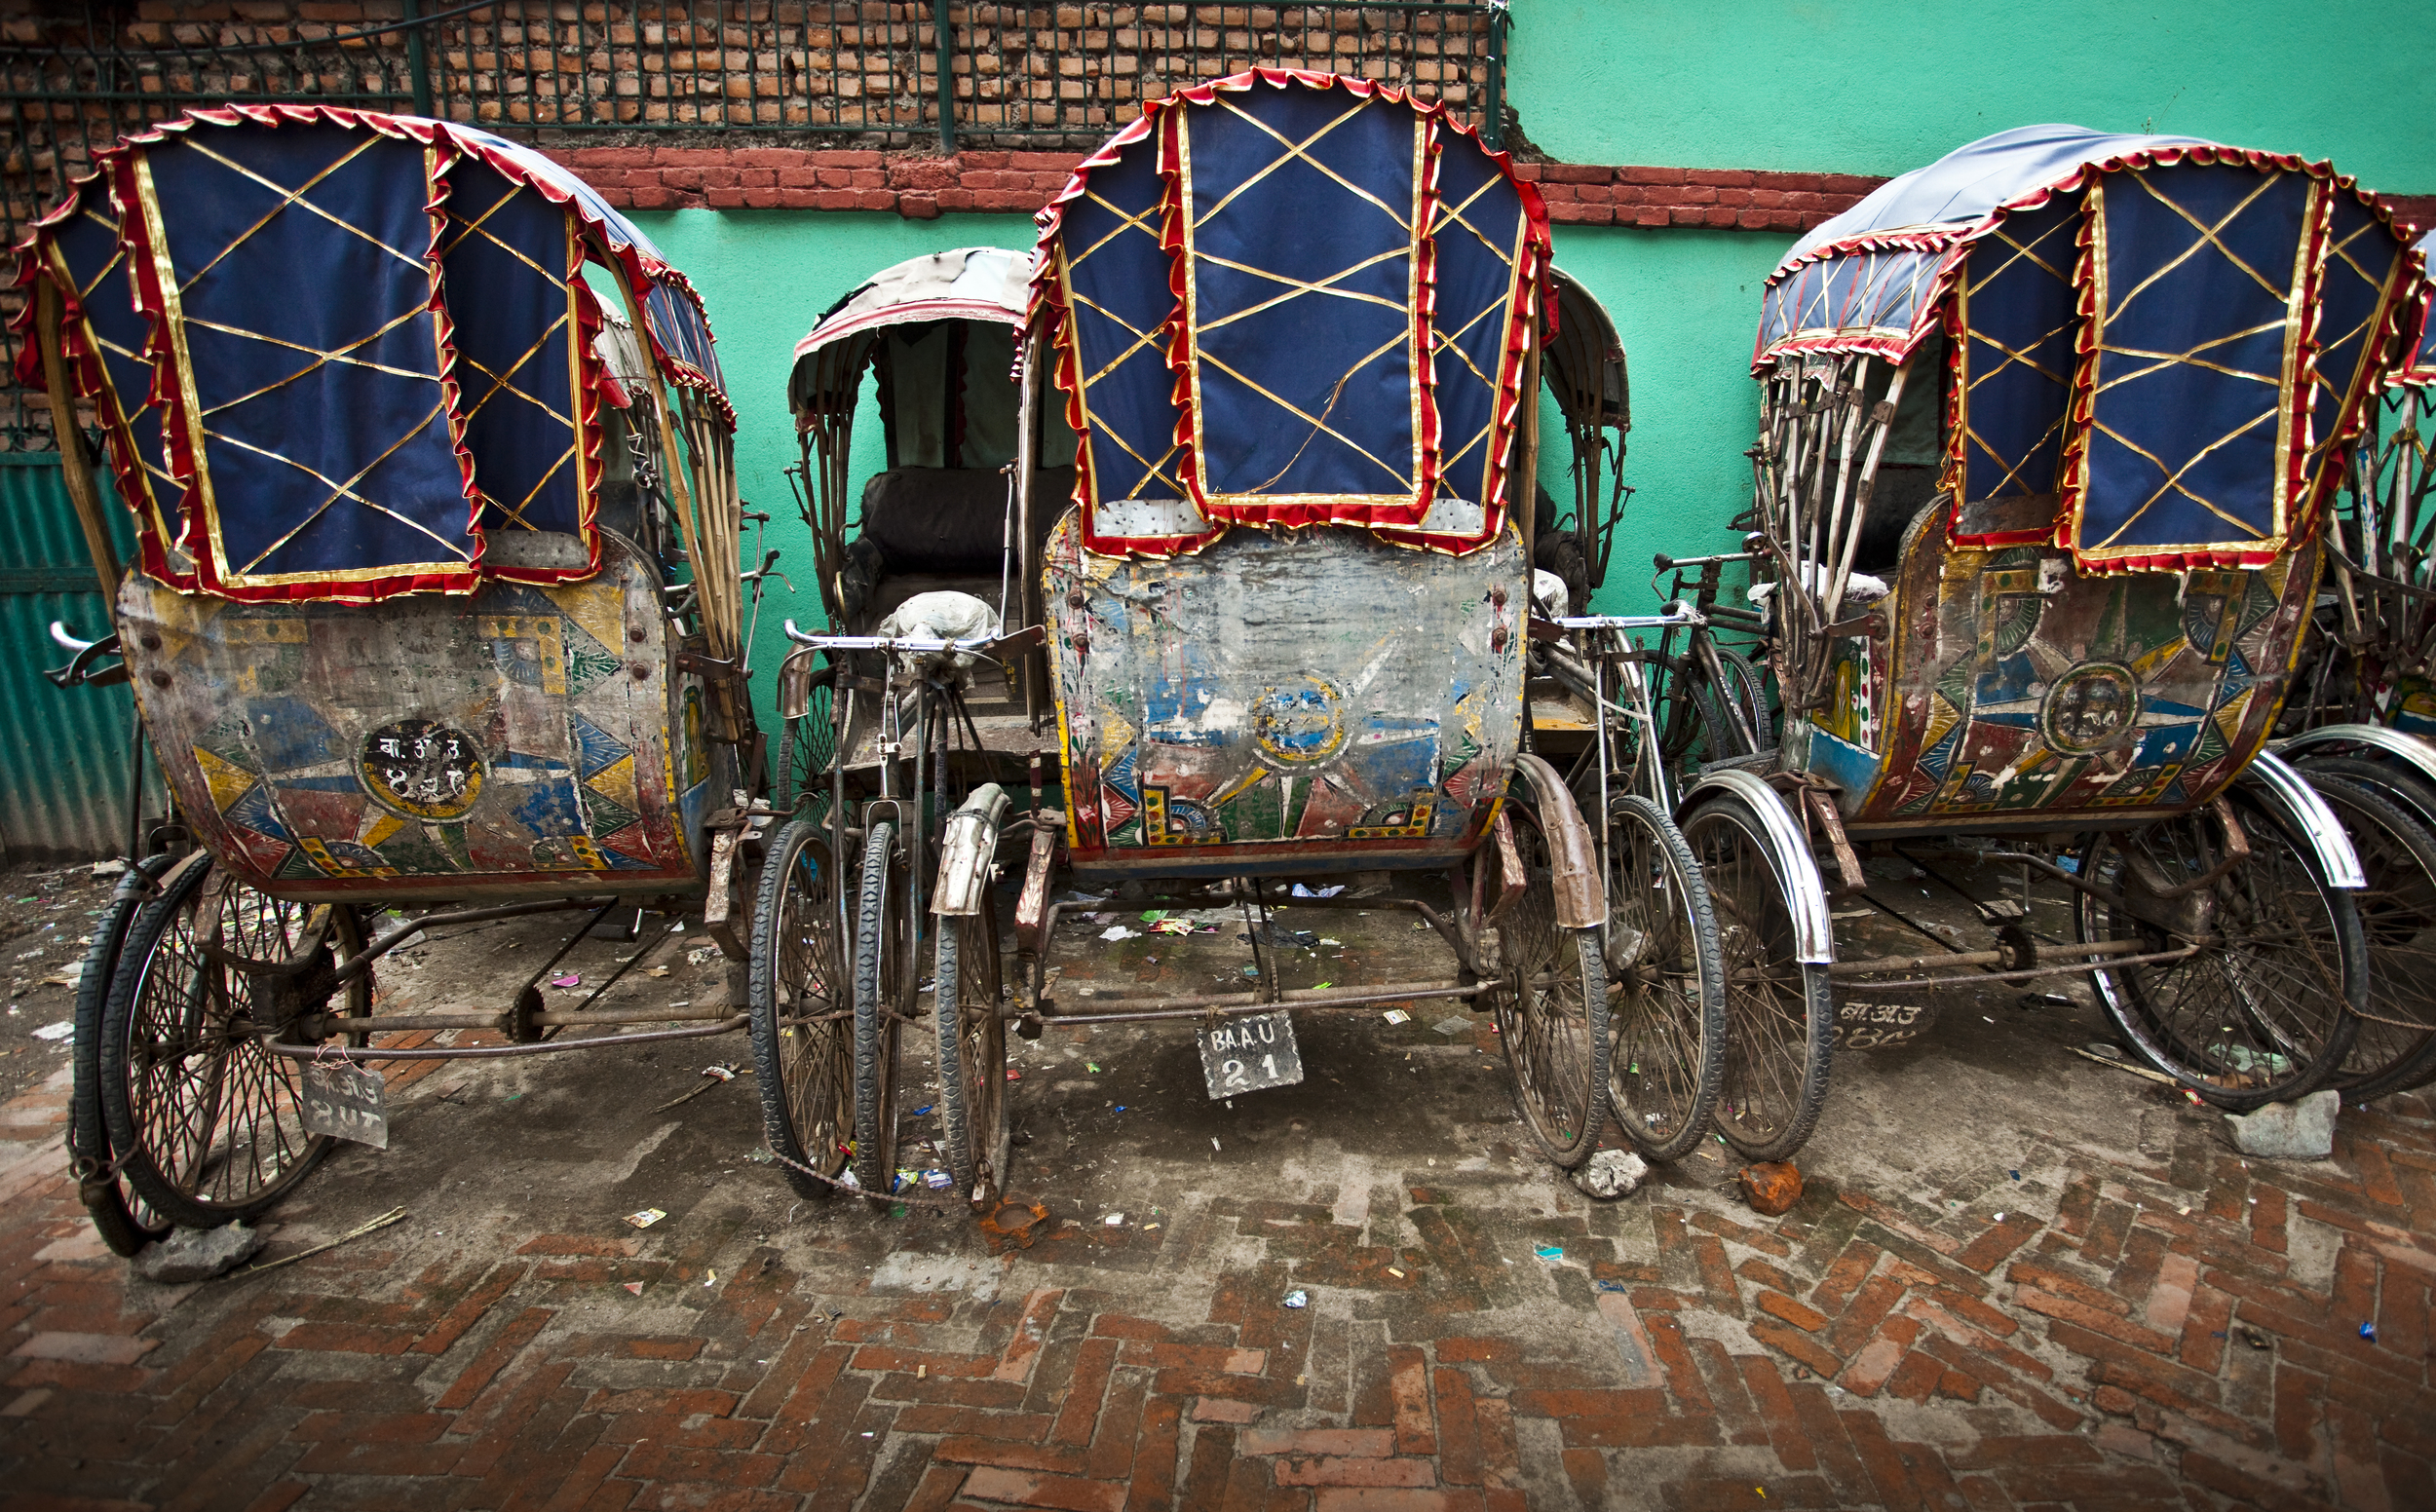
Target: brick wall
922	186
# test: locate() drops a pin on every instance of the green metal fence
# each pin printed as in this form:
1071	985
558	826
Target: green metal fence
63	752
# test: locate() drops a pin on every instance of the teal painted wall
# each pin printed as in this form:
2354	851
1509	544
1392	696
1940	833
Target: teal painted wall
1882	86
766	276
1797	85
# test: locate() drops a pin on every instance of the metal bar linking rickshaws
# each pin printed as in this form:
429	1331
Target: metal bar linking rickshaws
2046	431
2361	721
1234	580
435	616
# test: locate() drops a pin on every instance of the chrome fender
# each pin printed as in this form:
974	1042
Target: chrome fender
970	845
2291	794
1814	933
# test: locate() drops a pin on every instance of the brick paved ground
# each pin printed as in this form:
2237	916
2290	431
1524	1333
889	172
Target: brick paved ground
2017	1280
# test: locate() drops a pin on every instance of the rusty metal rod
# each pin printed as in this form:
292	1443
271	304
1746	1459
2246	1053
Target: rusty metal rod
2027	973
357	964
1975	958
1239	1005
572	1018
306	1052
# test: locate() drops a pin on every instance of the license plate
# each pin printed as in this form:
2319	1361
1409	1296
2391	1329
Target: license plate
1248	1054
345	1101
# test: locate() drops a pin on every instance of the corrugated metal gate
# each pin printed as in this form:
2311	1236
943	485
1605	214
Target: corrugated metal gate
62	751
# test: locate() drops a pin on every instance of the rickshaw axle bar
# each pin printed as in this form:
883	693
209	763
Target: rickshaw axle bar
406	1022
306	1052
1974	958
1240	1005
357	964
2029	972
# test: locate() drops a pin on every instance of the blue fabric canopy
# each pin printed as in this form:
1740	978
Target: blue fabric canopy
337	352
1291	299
2156	342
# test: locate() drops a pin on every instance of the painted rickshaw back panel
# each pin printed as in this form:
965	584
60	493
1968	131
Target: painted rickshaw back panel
1276	703
2142	360
2020	690
519	740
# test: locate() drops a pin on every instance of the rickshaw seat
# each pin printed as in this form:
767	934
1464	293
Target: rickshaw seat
950	519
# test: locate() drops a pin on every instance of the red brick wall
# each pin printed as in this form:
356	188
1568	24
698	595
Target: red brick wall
919	186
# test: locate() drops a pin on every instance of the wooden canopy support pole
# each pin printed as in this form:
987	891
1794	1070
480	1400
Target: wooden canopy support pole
1527	464
82	490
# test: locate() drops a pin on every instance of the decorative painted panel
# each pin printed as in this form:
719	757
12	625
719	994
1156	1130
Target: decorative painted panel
1284	703
2021	688
529	739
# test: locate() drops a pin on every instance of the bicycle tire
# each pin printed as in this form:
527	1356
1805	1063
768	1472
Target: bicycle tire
164	999
802	1056
1556	1057
2395	1048
125	1222
879	972
2251	1044
1781	1011
1668	1056
972	1054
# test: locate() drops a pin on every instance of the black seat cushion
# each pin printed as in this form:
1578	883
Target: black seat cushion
952	520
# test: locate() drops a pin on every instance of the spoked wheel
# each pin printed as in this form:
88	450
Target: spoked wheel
2396	1047
1667	984
124	1221
802	1008
884	982
1551	1009
1747	692
973	1054
207	1121
2261	1008
1779	1010
806	744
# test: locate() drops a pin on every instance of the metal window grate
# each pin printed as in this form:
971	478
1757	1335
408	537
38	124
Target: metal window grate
870	72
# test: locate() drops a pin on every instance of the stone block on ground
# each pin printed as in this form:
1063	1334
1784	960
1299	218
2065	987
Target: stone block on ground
1612	1174
2302	1130
198	1254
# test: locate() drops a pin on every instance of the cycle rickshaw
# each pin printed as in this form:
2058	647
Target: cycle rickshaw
2363	712
435	607
1286	330
2047	428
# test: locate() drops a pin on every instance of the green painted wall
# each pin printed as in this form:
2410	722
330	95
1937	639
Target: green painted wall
766	276
1882	86
1800	85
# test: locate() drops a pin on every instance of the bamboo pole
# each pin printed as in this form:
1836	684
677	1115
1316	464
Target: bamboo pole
1881	422
82	490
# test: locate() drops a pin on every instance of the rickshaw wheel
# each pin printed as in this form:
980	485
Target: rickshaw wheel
125	1222
1551	1009
2395	1049
2264	1012
1779	1010
973	1055
805	748
798	999
1747	690
883	983
1668	984
207	1119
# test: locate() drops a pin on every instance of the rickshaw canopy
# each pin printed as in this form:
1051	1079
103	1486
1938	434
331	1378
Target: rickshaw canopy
2156	343
2421	368
1292	299
988	283
1585	358
340	354
942	331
